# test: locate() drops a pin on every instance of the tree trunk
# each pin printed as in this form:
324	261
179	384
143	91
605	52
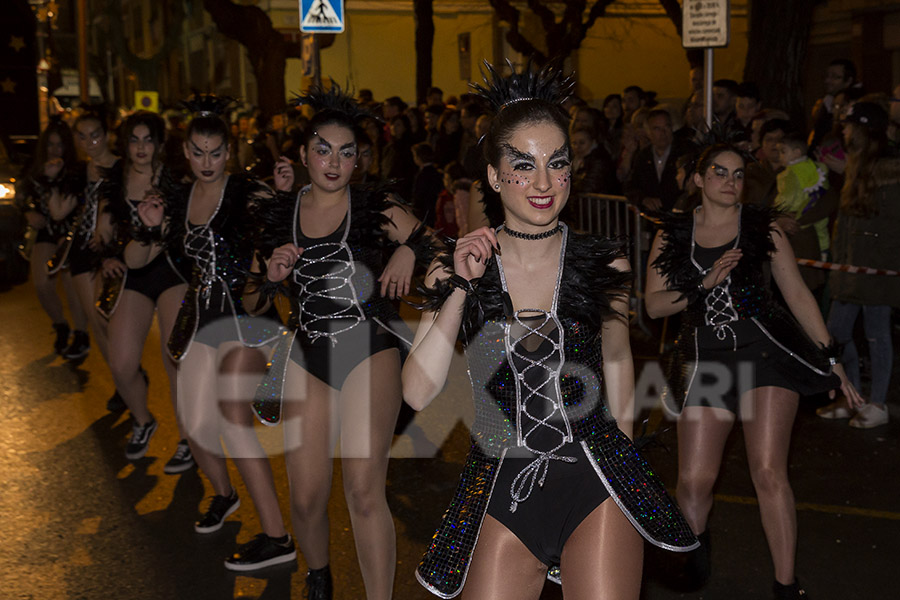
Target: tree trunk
424	15
776	50
267	49
145	69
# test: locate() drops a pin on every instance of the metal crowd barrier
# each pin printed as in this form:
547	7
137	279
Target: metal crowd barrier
615	216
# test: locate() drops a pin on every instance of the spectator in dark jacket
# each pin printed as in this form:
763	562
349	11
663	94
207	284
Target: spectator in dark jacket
652	183
593	170
427	185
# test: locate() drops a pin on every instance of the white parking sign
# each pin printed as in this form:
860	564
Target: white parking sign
321	16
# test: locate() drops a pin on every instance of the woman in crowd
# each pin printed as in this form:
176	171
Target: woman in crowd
54	168
448	140
612	110
550	479
342	358
866	234
211	222
593	170
158	286
83	250
709	264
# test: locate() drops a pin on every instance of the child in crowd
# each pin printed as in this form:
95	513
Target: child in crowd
801	184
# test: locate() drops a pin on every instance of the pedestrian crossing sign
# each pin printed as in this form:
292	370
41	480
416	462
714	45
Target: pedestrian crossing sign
322	16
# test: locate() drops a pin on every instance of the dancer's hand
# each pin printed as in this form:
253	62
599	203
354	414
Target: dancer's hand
854	400
151	210
282	262
722	267
473	251
113	267
61	206
284	174
398	273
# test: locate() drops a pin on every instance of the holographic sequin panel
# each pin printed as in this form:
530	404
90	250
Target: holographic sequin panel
444	567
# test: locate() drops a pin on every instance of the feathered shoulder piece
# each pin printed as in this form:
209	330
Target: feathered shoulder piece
674	263
333	99
588	286
207	105
547	83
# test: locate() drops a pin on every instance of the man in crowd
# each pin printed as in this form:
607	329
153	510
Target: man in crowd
652	183
840	75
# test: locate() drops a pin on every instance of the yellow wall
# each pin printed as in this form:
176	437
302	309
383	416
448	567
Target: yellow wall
647	52
377	52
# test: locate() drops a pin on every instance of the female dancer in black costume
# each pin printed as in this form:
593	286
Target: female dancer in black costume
550	479
344	362
211	222
83	251
54	169
709	264
159	285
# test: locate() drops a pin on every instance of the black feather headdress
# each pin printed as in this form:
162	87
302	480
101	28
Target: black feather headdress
207	105
334	99
547	83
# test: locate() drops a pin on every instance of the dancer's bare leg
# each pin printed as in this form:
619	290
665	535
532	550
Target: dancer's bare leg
167	306
128	328
768	417
702	433
310	433
240	372
86	289
44	283
502	567
200	413
369	403
603	558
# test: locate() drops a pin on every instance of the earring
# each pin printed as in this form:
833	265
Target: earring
496	186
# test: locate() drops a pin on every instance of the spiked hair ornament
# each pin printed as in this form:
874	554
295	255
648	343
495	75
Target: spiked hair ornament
334	98
207	105
547	83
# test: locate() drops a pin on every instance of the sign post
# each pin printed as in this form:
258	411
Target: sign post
318	16
321	16
705	24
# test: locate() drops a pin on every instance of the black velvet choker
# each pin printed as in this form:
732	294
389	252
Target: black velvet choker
533	236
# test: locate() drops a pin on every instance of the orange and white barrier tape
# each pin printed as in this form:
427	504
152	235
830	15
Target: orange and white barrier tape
818	264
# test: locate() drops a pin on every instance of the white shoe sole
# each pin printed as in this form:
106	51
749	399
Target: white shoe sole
180	468
140	453
218	526
275	560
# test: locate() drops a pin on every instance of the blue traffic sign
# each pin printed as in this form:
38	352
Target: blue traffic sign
322	16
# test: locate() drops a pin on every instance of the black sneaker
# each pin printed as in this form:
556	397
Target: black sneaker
318	584
788	592
262	551
219	508
140	439
181	461
80	346
116	403
62	337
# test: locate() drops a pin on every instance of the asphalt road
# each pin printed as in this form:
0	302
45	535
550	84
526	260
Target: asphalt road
81	522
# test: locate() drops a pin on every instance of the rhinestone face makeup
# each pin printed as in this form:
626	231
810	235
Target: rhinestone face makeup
514	178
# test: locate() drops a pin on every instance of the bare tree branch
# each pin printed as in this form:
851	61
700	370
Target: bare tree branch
561	37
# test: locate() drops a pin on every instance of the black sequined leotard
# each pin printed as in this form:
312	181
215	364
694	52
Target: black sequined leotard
221	251
338	316
737	324
569	426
